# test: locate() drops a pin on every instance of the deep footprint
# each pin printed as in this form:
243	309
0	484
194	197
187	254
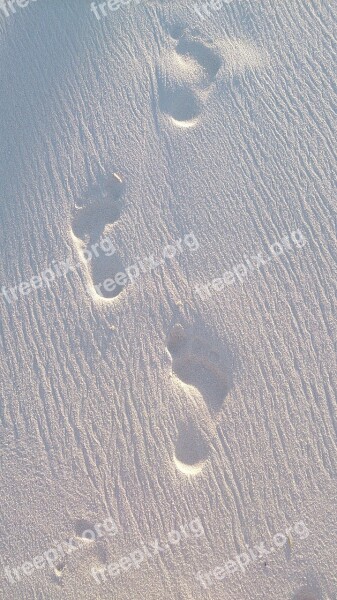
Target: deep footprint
195	363
191	452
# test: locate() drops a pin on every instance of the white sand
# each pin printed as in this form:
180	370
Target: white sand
212	414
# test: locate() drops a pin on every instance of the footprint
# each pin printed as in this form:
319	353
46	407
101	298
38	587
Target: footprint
185	78
196	364
191	451
92	230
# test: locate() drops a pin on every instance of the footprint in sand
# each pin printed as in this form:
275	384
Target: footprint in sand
189	71
92	230
198	366
185	79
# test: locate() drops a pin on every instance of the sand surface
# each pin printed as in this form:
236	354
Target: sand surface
168	300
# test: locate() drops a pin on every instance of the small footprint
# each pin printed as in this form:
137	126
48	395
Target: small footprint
195	363
184	81
92	229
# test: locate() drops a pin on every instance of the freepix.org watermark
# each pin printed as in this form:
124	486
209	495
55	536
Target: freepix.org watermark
206	8
148	551
52	556
56	270
251	264
145	265
239	563
99	8
8	7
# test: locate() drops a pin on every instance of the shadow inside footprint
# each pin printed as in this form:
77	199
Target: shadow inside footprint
89	222
195	363
108	276
180	103
205	56
82	527
107	187
191	451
